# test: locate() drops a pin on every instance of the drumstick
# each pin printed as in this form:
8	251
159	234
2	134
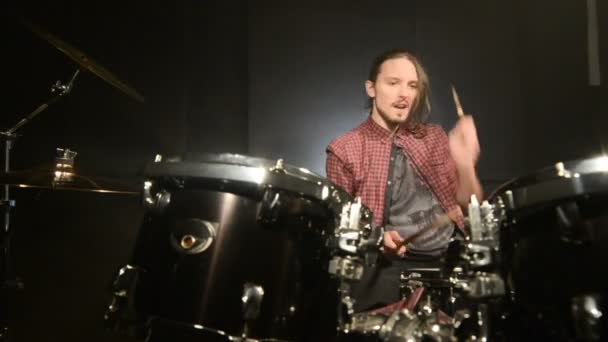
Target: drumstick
457	102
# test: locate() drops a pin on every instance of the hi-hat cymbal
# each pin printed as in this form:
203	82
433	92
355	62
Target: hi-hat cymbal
62	180
84	61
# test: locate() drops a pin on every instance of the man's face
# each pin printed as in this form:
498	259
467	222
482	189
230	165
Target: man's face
394	92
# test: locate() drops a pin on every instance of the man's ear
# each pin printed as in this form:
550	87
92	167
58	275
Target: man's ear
370	89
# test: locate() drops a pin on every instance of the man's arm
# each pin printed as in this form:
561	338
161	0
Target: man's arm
468	184
464	149
338	173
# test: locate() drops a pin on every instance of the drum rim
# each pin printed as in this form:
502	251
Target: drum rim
241	174
563	180
229	159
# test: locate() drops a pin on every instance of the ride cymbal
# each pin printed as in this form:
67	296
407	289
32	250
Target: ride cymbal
64	180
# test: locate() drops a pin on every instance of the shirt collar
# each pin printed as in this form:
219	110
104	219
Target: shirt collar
382	133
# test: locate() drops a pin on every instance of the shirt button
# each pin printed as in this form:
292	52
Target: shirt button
389	182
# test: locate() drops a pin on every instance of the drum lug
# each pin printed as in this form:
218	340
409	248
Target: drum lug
587	316
278	167
346	267
348	241
477	255
484	221
484	285
252	298
355	231
117	316
157	202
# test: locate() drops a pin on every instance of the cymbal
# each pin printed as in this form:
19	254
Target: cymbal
62	180
84	61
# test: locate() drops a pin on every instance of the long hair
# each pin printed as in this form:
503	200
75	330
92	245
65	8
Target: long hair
421	108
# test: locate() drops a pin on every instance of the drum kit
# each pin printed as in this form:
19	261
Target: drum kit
239	248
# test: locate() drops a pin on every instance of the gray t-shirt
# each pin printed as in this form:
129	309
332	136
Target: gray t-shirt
414	207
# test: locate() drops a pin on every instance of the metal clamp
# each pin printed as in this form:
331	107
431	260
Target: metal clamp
484	285
155	202
477	254
346	267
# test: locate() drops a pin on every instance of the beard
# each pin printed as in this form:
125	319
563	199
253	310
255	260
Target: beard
392	120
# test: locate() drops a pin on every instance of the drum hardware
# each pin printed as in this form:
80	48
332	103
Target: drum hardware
482	285
412	281
298	219
563	172
9	280
586	314
187	241
571	227
278	167
349	242
509	199
461	292
193	236
477	255
354	245
405	325
484	220
346	267
272	206
478	301
8	137
118	317
155	202
253	295
483	324
59	177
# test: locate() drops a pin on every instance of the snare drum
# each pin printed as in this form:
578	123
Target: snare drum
236	246
554	252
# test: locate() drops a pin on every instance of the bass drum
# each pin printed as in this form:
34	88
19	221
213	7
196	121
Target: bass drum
554	252
232	247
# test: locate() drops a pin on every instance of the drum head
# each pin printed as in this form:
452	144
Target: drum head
241	175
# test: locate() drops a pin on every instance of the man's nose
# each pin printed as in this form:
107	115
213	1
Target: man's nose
406	92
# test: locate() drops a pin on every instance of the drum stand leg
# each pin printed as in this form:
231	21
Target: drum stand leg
483	322
8	281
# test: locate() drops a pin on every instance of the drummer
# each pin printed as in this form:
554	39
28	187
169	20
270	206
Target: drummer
410	173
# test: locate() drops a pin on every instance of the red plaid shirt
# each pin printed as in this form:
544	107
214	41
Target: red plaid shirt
359	160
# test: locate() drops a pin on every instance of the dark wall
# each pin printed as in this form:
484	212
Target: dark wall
474	47
308	64
188	59
519	67
564	117
269	79
274	80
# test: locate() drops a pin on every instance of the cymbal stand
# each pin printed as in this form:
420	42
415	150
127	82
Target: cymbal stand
8	280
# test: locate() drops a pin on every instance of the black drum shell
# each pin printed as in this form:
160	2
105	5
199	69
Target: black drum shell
285	257
553	249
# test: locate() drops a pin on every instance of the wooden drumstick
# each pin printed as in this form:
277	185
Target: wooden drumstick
459	109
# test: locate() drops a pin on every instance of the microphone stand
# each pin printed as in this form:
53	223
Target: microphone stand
8	279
